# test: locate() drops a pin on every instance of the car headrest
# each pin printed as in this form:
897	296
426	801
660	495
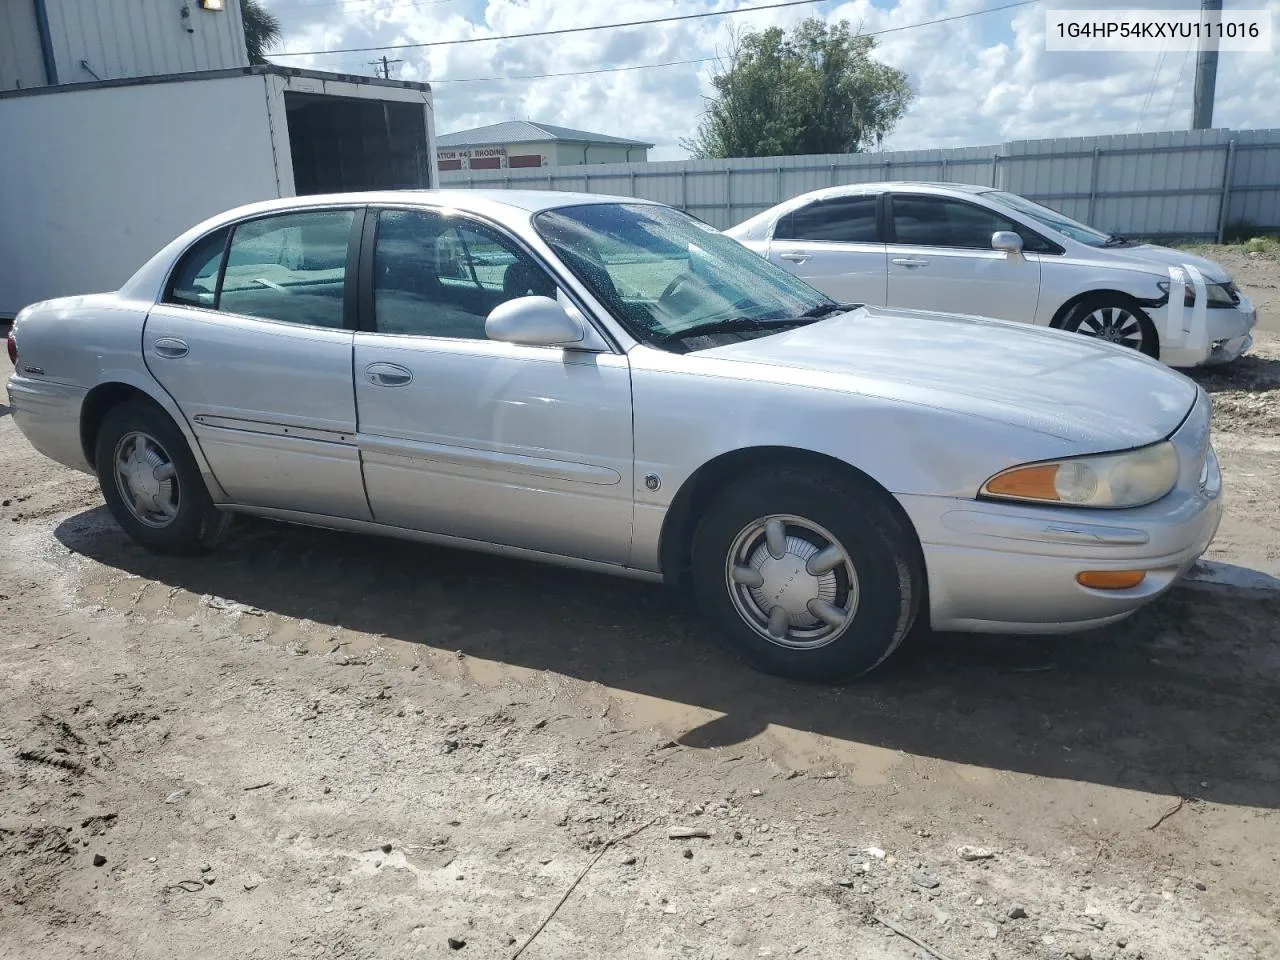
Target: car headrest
523	280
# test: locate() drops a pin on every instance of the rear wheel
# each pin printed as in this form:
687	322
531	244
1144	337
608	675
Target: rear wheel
1114	319
808	575
151	482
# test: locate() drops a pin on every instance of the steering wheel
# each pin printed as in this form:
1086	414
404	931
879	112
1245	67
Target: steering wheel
676	283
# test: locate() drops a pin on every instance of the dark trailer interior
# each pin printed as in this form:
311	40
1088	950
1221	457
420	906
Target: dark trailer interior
342	144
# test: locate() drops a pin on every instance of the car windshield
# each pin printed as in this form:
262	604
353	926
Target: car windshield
1081	233
674	281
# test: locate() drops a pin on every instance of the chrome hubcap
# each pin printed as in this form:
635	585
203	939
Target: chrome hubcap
146	479
792	582
1113	324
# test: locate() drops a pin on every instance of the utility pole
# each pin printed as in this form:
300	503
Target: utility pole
382	66
1206	70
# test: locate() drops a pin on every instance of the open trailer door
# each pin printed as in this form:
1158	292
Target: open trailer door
353	133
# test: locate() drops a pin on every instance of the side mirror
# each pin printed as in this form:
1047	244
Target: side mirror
534	322
1006	240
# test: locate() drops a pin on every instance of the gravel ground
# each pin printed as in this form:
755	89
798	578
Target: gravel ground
318	745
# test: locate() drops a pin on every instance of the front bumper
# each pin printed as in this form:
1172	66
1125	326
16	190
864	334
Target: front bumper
1228	336
1007	568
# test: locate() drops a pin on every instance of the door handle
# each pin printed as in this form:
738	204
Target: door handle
910	262
387	374
171	348
794	257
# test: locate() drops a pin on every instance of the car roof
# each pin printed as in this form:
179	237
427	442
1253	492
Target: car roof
508	207
758	225
531	201
880	186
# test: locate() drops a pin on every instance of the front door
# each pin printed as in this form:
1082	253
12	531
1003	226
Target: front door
257	354
468	437
835	246
940	258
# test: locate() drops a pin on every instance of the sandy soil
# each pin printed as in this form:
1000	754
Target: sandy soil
318	745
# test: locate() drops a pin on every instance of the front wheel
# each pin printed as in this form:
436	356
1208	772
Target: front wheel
1115	320
809	576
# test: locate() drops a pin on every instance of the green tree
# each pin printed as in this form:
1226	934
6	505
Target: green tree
816	90
261	29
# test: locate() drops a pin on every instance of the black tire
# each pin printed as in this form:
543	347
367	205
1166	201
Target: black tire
1106	316
883	553
196	525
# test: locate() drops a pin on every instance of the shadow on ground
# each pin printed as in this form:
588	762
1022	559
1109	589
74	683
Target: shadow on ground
1182	698
1248	374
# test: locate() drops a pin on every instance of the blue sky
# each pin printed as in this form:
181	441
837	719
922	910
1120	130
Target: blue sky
984	79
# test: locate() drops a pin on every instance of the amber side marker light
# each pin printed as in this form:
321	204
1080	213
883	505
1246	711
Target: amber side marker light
1111	579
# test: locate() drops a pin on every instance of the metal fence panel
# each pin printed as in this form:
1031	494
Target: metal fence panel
1189	183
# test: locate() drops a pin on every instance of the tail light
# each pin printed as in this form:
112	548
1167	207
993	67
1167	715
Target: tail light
12	345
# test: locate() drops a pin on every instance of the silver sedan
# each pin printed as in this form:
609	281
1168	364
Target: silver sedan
611	384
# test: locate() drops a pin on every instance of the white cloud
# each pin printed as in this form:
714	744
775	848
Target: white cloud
980	80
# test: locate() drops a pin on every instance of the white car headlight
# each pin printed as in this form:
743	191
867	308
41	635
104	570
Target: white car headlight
1107	481
1216	295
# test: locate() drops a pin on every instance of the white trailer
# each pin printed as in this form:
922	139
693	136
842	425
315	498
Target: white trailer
96	177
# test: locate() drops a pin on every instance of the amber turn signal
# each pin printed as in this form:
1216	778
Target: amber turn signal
1111	579
1026	483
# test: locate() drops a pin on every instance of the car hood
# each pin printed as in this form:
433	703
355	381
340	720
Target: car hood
1148	254
1096	395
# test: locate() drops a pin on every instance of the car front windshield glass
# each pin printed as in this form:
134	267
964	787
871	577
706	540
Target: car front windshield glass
673	281
1074	229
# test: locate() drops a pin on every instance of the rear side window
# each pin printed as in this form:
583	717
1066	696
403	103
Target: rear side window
290	268
195	280
839	220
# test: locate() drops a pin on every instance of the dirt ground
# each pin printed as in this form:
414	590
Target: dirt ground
312	744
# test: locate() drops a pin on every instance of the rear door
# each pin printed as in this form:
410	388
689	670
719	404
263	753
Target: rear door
940	258
836	246
254	341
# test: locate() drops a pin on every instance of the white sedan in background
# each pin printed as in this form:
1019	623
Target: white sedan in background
976	250
611	384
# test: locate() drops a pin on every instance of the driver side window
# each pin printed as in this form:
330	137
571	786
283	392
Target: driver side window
438	276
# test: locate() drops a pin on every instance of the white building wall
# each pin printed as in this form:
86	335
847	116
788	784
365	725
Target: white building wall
140	38
21	62
96	180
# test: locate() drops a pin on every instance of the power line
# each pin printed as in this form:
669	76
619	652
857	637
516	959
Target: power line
1155	76
1173	98
560	32
680	63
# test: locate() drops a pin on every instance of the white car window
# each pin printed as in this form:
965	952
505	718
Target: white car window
194	282
290	268
838	220
670	279
1074	229
935	221
439	276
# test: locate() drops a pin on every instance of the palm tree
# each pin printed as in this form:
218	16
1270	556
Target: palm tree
261	29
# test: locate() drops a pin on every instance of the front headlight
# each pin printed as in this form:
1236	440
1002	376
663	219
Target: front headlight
1216	295
1107	481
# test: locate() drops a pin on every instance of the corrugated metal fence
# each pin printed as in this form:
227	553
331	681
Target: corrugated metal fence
1192	183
